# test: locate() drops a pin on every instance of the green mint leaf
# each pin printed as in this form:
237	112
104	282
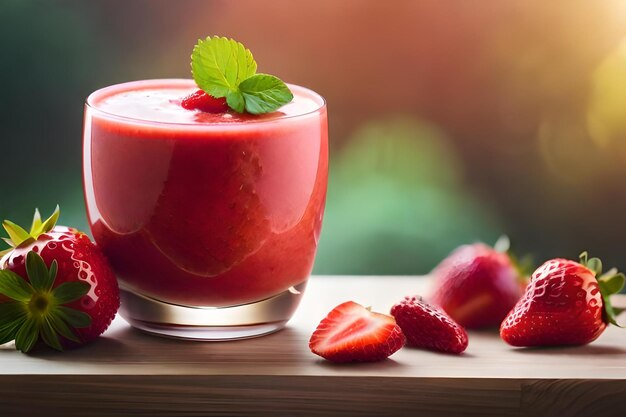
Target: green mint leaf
70	291
225	68
37	272
27	335
49	336
14	286
73	317
264	93
16	233
235	101
61	328
219	65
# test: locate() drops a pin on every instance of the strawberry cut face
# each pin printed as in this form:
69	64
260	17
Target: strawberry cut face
562	305
352	333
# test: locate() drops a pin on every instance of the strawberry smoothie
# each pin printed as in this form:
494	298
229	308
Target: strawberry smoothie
200	209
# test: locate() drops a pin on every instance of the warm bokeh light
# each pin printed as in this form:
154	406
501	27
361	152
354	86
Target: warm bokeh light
606	119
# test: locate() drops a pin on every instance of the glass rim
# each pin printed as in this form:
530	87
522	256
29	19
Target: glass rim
129	85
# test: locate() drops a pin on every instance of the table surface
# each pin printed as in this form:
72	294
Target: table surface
128	371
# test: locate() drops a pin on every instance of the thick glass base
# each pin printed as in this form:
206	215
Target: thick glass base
209	323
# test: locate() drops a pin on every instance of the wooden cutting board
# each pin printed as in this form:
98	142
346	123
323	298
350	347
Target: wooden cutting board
130	373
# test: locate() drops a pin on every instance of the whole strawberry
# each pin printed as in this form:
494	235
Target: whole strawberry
54	284
566	303
353	333
426	327
476	286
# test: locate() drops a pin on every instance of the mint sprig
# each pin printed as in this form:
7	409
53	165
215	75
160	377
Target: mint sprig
36	308
225	68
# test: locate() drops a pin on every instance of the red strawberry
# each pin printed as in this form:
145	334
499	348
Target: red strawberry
199	100
352	333
426	327
58	283
566	303
476	285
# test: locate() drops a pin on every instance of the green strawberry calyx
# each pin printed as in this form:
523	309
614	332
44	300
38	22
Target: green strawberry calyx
524	265
611	282
18	236
36	308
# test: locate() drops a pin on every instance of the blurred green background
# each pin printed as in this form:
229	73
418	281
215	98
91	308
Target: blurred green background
450	121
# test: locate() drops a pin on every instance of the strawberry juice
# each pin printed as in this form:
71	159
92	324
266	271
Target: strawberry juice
204	210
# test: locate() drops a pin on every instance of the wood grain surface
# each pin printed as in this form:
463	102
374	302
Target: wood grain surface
127	372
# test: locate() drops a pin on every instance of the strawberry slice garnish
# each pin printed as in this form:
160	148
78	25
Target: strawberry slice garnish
199	100
426	327
353	333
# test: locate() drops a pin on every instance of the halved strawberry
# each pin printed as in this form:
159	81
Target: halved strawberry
353	333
